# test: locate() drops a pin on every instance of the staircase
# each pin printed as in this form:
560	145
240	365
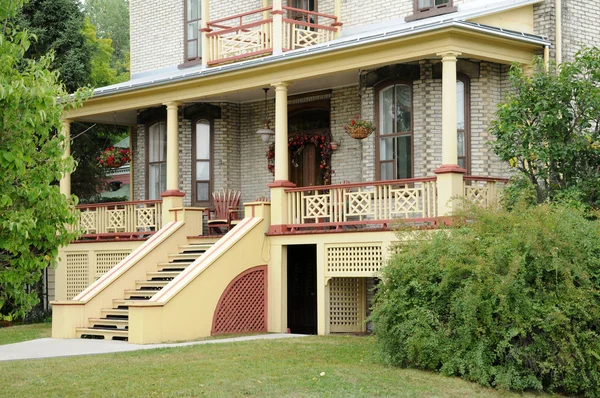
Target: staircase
114	322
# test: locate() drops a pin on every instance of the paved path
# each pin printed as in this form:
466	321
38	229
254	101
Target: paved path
49	348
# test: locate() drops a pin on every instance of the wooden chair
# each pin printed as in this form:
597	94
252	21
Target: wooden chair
225	212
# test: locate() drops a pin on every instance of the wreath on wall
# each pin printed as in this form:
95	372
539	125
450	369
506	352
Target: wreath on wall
297	144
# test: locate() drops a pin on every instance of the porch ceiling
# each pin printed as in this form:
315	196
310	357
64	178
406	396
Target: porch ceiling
326	67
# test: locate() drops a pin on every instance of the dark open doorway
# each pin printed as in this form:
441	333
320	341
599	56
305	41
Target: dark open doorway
302	289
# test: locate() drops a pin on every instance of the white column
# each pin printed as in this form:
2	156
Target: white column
203	31
65	181
277	26
172	197
449	139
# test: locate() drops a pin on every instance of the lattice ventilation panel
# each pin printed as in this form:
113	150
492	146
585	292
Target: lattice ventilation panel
77	273
105	261
243	306
353	260
346	305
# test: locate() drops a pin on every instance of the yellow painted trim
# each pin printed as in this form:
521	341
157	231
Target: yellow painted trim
477	45
518	19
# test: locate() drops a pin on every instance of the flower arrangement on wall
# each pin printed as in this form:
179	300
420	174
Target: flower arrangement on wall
114	157
297	144
359	128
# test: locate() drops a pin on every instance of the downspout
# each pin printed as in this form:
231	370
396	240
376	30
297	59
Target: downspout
558	18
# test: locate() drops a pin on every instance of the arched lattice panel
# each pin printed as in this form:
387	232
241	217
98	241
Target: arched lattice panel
77	273
243	305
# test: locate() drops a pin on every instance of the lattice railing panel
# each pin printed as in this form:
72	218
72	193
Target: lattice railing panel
346	305
143	216
317	206
408	202
105	261
88	220
353	260
483	192
77	273
243	306
116	220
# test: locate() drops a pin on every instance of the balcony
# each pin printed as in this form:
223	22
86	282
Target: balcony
265	31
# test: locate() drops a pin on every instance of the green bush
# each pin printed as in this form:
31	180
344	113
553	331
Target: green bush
509	300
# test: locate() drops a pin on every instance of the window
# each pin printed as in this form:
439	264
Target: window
462	122
202	167
157	160
430	8
395	135
193	22
308	5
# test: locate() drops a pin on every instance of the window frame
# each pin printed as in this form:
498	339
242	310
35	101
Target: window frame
467	115
211	182
377	90
149	124
426	12
198	59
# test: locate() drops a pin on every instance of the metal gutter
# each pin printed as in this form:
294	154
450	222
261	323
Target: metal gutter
338	44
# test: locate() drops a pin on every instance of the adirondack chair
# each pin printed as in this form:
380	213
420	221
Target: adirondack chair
225	212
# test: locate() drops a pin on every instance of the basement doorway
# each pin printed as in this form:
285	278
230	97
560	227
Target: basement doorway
302	289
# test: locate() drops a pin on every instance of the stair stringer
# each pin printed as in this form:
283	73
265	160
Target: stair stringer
184	309
68	315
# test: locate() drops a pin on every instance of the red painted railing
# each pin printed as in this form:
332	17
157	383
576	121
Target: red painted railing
378	202
250	34
120	219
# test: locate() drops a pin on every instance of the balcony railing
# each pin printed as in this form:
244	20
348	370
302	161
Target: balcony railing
483	191
252	34
120	219
380	202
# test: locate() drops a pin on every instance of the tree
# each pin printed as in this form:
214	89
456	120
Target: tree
111	17
58	26
548	128
33	213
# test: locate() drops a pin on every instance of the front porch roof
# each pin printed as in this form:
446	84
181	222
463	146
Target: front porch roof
403	42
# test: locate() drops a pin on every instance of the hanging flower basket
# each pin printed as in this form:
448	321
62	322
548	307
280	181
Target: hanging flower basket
114	157
359	128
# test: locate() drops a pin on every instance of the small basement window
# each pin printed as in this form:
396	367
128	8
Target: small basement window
430	8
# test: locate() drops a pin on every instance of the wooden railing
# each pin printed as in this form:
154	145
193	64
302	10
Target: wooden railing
105	220
251	34
378	202
304	31
483	191
240	36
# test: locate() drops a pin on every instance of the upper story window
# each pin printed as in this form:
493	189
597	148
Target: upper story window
202	170
430	8
157	160
307	5
193	22
395	134
463	133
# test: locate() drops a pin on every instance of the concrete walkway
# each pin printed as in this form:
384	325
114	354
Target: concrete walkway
50	348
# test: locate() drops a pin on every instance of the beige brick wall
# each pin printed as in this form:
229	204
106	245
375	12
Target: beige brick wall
581	26
346	161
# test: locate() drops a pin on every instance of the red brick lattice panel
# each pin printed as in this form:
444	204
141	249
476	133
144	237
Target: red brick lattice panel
242	307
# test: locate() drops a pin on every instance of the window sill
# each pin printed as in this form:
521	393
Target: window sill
193	62
430	13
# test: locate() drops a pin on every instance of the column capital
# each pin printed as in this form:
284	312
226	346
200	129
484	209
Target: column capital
449	55
172	104
65	121
280	85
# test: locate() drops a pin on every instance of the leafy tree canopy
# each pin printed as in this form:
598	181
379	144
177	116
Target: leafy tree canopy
549	129
33	213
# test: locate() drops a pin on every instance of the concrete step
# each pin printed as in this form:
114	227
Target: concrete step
141	285
169	275
193	240
201	247
173	266
114	312
119	324
140	293
125	303
97	333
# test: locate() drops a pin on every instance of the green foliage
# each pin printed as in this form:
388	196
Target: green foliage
101	73
508	300
33	213
58	27
549	128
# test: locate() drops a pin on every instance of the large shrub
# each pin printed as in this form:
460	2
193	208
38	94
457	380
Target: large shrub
509	300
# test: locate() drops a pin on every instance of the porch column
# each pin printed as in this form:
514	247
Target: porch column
278	198
204	29
277	27
65	181
449	175
172	197
338	14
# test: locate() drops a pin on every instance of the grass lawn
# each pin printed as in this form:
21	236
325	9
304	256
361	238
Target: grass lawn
290	367
15	334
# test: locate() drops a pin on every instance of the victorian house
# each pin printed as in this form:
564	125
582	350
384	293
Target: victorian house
273	101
